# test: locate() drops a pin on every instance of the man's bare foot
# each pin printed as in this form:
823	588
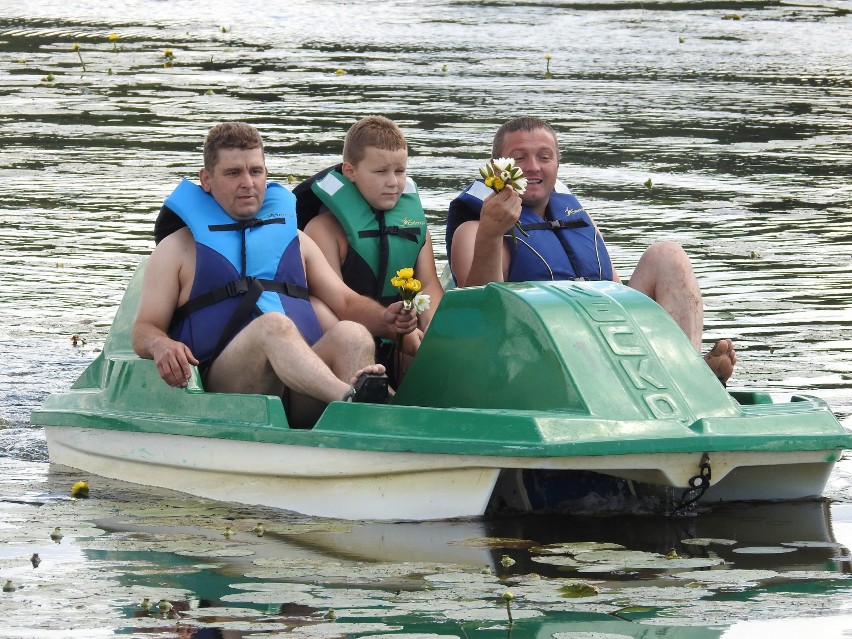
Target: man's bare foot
721	359
375	369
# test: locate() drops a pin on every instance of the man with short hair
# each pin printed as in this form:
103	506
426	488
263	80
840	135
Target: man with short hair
229	291
560	240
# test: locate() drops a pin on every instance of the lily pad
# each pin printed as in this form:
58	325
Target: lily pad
763	550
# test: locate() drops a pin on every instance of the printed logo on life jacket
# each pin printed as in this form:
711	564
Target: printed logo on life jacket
570	211
407	222
277	214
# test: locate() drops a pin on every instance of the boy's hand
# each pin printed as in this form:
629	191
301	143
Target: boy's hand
398	320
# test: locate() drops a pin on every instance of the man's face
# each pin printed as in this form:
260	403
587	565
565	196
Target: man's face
237	181
379	176
536	153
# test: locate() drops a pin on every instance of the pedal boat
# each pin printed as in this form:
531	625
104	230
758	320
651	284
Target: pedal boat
557	378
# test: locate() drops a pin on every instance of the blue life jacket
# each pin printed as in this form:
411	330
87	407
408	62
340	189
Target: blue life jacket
564	245
242	270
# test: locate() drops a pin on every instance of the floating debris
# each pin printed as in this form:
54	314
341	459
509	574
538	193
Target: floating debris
507	561
228	532
146	605
35	560
56	535
258	530
9	586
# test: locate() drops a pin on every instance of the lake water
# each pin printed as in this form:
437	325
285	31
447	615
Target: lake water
738	113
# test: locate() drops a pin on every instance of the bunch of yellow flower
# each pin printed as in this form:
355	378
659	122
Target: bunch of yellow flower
409	287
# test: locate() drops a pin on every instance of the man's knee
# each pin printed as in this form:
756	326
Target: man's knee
350	332
275	326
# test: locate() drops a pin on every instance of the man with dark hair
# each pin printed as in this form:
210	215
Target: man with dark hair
560	240
229	292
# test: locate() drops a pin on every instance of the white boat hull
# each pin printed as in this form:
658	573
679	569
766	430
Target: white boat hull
356	484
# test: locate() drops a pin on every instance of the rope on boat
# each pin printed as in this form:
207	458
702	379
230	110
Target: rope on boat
698	485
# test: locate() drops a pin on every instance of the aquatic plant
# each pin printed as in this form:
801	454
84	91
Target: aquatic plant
76	48
501	173
80	489
113	37
507	597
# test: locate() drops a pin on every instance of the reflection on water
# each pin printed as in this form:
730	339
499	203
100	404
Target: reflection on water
739	566
742	125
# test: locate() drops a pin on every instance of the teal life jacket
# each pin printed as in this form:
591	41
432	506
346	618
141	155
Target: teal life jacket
380	242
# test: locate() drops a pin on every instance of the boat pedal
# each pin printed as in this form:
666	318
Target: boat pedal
371	388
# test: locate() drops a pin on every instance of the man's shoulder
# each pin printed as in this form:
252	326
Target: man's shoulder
179	240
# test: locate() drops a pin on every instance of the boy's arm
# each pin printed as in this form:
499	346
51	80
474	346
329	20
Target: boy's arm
160	293
346	303
329	236
425	271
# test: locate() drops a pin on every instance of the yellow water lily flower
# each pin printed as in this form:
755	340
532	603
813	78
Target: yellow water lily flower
501	172
80	489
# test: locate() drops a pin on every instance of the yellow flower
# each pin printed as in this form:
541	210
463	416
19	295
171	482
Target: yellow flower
412	285
80	489
75	47
405	273
500	173
112	37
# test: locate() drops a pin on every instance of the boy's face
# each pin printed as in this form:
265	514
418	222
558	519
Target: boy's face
237	181
379	176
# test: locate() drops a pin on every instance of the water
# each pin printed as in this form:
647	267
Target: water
742	125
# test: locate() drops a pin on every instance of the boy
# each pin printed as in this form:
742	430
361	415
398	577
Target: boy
366	217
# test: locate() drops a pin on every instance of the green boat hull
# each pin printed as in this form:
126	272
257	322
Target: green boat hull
557	376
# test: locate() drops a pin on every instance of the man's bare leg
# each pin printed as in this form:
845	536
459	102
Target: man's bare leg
270	354
349	351
664	273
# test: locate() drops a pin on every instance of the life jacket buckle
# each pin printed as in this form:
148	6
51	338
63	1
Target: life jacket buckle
238	287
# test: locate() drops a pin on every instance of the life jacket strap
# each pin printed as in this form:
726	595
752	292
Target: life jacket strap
403	232
247	224
555	225
238	287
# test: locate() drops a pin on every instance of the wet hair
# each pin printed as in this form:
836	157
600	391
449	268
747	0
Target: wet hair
376	131
229	135
523	123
